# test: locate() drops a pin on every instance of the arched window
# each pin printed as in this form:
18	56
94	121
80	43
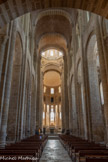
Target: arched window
101	94
43	53
52	91
59	108
51	53
43	115
47	108
56	108
97	61
59	89
44	89
52	114
88	16
60	54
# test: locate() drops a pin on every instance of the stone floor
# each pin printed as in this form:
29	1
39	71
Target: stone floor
54	152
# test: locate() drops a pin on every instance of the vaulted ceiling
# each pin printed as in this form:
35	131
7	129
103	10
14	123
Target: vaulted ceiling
52	62
52	79
11	9
53	24
53	40
53	21
53	29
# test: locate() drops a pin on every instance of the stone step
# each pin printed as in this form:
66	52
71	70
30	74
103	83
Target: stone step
53	137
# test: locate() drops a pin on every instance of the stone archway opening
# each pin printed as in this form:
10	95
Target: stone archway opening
51	65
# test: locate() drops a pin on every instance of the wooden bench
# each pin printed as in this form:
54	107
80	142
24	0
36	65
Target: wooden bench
83	150
82	155
97	159
31	147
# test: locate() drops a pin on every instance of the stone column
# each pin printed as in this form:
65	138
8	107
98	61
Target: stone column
41	100
20	116
32	54
62	100
3	40
66	94
70	102
84	85
7	90
34	124
82	94
69	90
70	106
45	115
74	88
49	116
86	95
54	112
103	72
57	116
38	92
29	109
30	81
105	44
59	110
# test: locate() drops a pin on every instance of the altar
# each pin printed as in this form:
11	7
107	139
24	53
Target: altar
52	129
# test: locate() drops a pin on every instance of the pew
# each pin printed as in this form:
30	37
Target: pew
29	148
92	154
81	150
98	159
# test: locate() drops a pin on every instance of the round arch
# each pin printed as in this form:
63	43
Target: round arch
55	70
58	35
13	9
54	12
